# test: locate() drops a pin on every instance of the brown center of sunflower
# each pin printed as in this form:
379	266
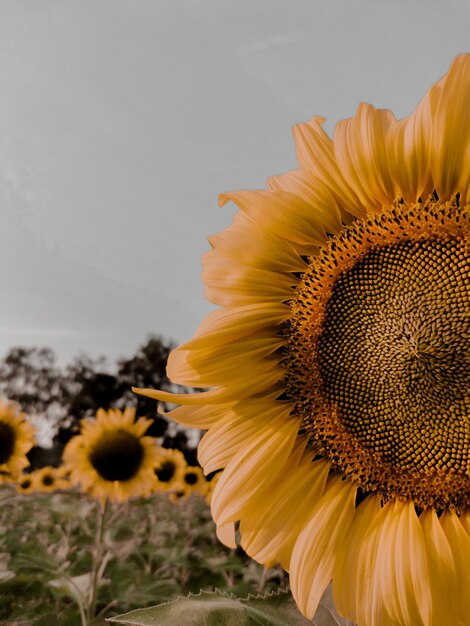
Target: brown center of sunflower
190	478
378	354
47	480
7	442
25	484
165	471
117	455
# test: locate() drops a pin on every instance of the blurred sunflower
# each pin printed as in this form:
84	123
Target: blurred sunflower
179	492
111	458
16	439
48	479
338	365
194	481
26	484
169	468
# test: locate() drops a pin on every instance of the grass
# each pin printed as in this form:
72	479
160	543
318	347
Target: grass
152	551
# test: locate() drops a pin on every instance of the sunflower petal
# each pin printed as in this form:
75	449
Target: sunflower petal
315	154
247	472
270	529
443	575
318	196
281	213
450	148
408	153
315	550
360	149
459	543
405	575
347	577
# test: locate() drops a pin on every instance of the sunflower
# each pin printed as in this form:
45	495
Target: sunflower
179	492
26	484
111	458
48	479
194	481
337	366
169	468
16	439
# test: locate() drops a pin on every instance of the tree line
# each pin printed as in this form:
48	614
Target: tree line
58	398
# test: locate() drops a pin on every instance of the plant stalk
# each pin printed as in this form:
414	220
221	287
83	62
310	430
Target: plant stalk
97	559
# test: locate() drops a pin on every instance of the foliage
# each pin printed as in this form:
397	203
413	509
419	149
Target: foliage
218	607
213	608
154	551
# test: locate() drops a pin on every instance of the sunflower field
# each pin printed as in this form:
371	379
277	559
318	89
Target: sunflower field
122	532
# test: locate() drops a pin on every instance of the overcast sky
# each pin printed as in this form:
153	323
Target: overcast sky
122	121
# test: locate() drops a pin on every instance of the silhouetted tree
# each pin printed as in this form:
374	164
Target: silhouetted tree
147	368
30	377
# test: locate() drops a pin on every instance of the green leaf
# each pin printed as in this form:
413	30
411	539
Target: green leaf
75	587
218	608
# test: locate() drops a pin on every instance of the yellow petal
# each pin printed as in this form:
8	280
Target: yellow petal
214	396
465	520
271	527
459	542
316	155
239	425
408	151
348	579
450	147
226	535
316	548
256	247
360	150
232	285
282	213
443	575
202	417
232	323
404	573
316	194
262	458
224	364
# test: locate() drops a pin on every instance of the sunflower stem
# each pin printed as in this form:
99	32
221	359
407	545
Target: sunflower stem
98	551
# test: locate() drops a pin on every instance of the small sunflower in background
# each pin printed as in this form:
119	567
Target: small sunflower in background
16	439
169	468
112	458
179	493
194	481
26	484
48	479
337	366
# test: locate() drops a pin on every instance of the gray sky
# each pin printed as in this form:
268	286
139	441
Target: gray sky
121	121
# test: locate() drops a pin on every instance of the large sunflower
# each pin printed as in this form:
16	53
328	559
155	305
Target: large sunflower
112	458
16	439
338	365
